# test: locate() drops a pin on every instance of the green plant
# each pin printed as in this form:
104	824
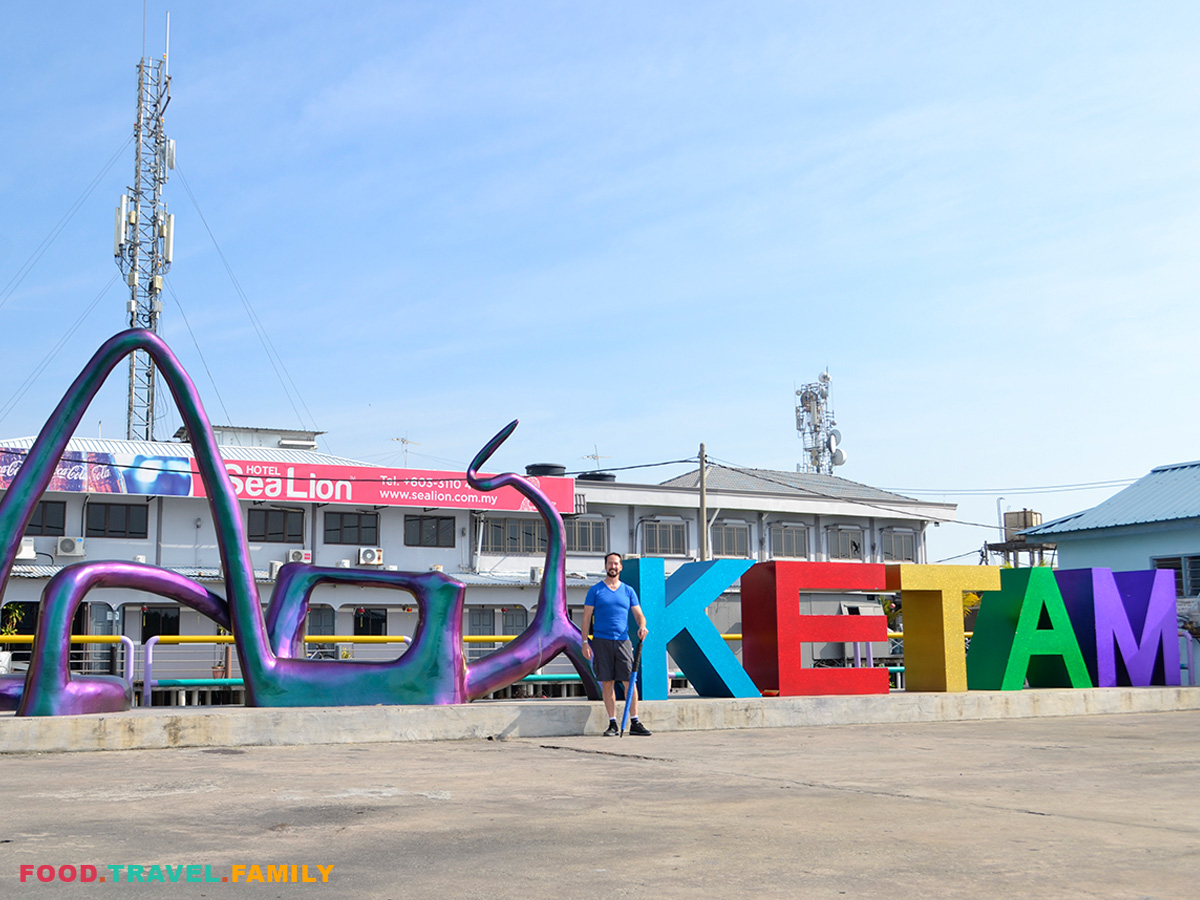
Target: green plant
11	619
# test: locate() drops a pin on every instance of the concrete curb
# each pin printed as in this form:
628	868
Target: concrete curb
150	729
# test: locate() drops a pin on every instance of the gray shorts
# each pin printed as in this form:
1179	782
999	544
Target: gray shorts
612	660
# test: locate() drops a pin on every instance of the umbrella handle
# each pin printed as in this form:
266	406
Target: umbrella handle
637	664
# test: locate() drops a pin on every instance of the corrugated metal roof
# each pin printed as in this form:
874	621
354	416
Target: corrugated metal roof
184	450
769	481
1166	494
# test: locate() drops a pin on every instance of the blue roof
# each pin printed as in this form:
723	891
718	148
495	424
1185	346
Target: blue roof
1166	494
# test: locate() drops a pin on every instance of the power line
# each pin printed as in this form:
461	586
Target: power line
1044	489
40	250
203	361
49	357
753	473
264	336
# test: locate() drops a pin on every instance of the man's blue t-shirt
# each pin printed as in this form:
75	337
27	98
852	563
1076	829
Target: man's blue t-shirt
611	615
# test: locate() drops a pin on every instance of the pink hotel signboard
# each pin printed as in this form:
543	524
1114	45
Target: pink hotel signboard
108	473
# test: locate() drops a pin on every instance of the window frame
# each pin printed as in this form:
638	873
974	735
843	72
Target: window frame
38	526
255	535
420	523
675	528
887	537
834	534
784	529
110	527
340	539
516	537
1187	573
597	542
727	531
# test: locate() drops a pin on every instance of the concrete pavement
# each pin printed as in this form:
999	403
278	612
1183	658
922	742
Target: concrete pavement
1056	807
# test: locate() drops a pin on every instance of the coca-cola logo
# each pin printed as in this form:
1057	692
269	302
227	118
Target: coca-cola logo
10	467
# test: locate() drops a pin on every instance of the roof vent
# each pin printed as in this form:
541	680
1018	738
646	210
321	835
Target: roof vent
595	476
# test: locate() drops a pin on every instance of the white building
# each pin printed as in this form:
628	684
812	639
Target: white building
145	501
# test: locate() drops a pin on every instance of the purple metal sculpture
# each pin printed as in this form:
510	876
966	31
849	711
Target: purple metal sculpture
433	670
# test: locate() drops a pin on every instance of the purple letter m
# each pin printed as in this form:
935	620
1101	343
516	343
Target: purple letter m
1109	610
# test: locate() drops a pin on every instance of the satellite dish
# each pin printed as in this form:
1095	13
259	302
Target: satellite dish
839	457
835	438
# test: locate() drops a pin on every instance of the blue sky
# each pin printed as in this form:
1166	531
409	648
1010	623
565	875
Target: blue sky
637	227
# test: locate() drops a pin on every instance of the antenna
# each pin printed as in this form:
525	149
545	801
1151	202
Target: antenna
815	423
143	243
405	441
595	455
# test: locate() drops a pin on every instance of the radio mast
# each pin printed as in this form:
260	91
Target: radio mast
815	423
145	234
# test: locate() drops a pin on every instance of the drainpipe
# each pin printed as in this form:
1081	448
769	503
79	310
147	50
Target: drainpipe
703	506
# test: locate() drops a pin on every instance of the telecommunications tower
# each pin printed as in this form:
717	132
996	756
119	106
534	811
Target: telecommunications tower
145	233
815	422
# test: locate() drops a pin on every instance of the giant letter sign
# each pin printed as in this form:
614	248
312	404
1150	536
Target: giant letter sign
1023	631
934	644
677	622
773	629
1125	623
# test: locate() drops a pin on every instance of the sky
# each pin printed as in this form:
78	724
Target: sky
636	228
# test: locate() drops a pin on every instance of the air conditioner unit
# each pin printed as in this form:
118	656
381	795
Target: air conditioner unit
27	550
370	556
273	567
69	546
300	556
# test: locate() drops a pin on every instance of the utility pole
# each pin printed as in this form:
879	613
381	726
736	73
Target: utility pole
703	505
145	234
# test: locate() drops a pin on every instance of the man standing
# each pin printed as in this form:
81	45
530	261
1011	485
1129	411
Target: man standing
610	602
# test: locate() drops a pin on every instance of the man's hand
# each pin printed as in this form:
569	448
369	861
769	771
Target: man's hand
642	632
587	650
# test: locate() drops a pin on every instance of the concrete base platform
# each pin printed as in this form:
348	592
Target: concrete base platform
147	729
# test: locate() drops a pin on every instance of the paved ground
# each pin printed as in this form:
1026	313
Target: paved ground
1100	806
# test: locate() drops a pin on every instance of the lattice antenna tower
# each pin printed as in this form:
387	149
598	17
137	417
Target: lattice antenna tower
145	233
815	423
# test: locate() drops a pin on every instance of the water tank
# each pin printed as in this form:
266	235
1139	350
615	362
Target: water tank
1019	520
546	470
595	476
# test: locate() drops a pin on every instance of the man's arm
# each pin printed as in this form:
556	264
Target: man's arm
587	626
641	620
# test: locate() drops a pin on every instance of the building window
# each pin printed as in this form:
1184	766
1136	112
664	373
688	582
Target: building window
275	526
664	538
480	622
509	537
352	528
370	621
730	539
1187	573
789	541
586	535
898	546
159	620
49	519
429	531
116	520
845	543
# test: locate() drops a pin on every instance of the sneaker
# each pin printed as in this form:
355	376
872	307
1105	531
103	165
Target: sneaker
611	731
639	728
